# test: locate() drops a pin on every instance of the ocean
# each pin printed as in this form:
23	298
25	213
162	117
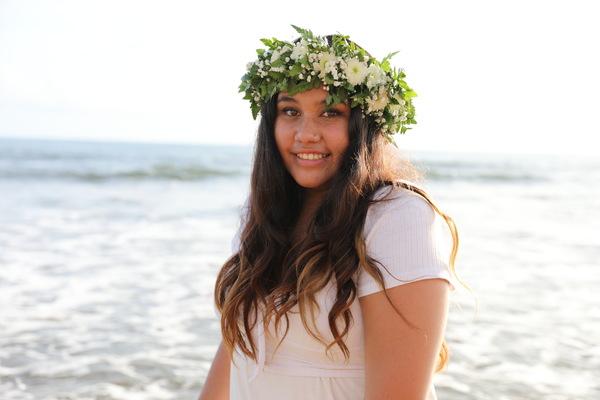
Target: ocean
109	251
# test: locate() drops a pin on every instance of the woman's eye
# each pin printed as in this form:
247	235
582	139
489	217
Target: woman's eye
290	112
287	111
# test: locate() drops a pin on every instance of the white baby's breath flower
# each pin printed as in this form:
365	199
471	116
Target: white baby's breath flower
299	50
396	109
355	71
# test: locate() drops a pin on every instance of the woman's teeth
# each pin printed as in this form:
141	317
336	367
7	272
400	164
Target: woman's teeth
311	156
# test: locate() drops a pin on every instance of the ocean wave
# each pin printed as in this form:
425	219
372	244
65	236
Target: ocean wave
156	172
195	173
484	176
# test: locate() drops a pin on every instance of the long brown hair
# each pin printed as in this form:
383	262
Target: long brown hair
271	270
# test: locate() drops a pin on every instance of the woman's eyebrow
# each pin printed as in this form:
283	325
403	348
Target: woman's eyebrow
293	100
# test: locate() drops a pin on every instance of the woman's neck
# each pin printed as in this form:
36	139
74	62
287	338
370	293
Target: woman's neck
312	201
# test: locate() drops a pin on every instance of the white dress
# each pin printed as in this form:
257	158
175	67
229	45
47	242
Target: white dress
403	235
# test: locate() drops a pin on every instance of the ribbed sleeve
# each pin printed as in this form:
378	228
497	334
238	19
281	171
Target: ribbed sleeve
402	234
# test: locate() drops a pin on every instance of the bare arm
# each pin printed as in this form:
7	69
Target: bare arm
216	386
400	361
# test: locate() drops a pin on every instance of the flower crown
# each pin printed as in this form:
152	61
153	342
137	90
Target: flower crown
343	68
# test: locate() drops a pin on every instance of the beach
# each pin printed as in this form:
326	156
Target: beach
109	252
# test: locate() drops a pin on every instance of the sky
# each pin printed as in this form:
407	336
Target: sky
491	76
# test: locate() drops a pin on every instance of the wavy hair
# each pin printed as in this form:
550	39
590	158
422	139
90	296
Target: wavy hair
333	247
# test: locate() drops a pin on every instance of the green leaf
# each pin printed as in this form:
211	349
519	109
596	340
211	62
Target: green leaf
272	89
255	109
305	33
329	100
296	69
297	87
267	42
389	56
278	63
283	85
409	94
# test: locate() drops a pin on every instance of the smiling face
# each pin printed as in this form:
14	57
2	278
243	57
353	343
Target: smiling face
311	137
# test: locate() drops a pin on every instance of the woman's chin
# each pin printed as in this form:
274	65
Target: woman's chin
312	185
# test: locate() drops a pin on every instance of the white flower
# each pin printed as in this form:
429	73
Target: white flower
276	54
299	50
356	71
378	102
326	62
277	69
249	65
375	76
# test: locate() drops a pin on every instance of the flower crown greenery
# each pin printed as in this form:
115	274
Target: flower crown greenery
343	68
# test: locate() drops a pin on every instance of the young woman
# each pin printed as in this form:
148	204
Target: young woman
337	288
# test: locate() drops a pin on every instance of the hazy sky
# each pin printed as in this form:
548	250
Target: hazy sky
519	76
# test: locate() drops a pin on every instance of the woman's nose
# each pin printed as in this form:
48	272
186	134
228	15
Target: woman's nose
308	131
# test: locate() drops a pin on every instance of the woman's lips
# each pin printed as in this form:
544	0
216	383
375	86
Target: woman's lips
309	163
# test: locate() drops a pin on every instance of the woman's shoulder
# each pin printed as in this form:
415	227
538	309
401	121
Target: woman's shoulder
397	202
396	198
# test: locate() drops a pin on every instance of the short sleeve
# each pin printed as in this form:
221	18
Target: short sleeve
405	238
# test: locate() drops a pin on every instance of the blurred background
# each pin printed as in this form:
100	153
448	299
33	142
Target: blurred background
125	153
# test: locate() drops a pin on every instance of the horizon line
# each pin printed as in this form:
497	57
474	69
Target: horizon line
176	142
